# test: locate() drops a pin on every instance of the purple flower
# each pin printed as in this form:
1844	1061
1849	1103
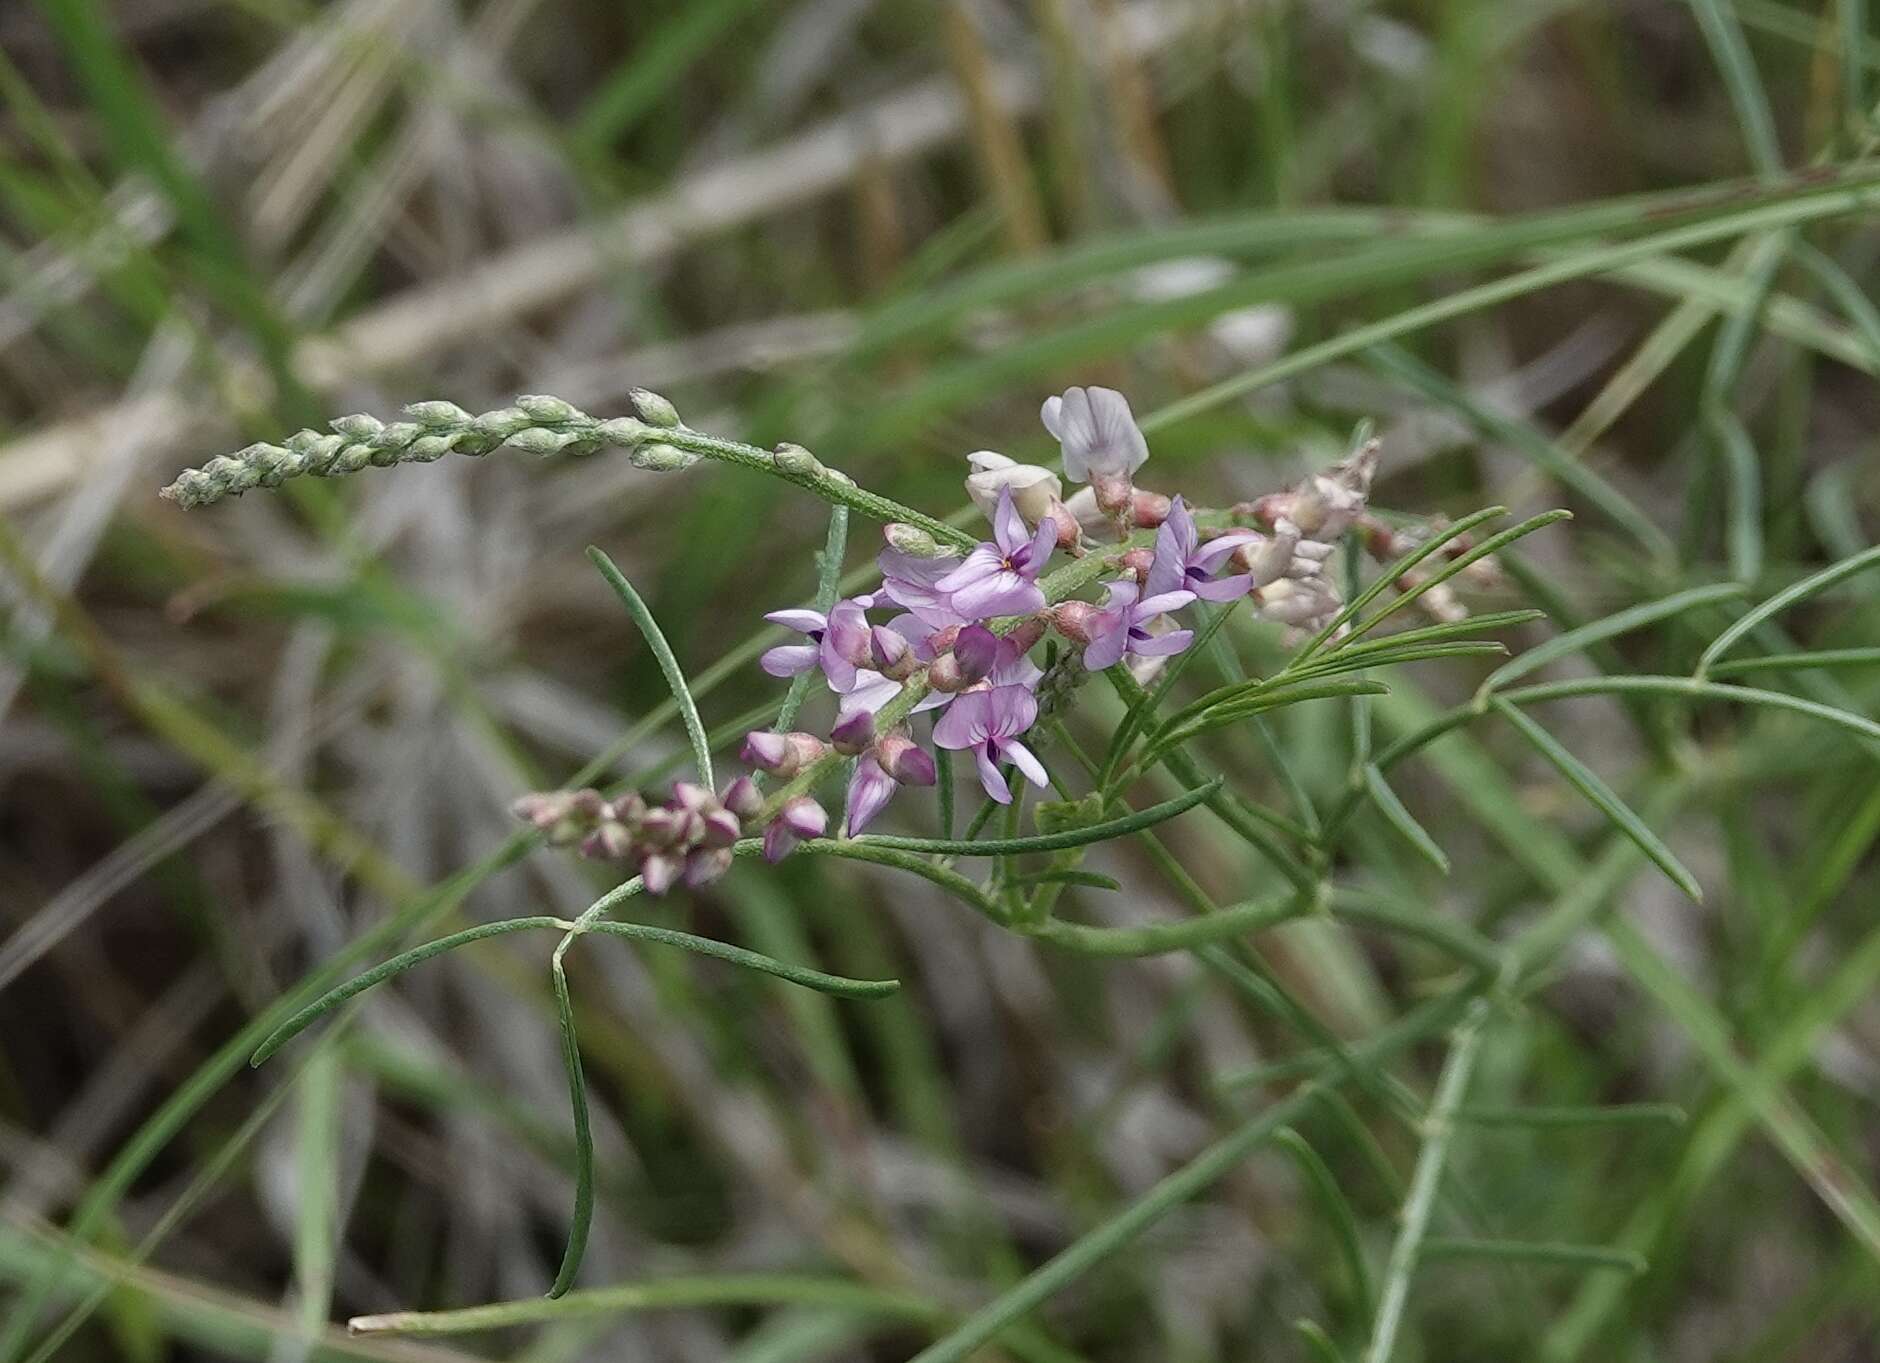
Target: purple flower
838	642
799	818
989	723
1098	433
894	762
1001	577
913	583
1180	541
1122	626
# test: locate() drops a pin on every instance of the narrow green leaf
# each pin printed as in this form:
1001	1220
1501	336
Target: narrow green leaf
1154	939
675	678
1457	565
750	960
1039	842
583	1132
1698	689
1372	910
398	964
1321	1344
1611	626
1743	471
1799	662
1146	704
1402	819
1601	797
726	1289
1782	600
1259	703
1534	1252
1389	575
1088	879
1618	1114
1338	1213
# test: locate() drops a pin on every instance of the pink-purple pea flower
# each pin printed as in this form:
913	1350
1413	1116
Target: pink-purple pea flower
894	762
1000	577
838	643
1201	561
988	724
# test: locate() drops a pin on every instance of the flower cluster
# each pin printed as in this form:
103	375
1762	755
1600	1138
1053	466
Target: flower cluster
965	625
689	838
949	636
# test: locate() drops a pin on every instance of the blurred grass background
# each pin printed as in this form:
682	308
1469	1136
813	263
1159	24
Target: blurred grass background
234	741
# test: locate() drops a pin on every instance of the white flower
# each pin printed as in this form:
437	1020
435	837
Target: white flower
1326	504
1306	603
1098	433
1034	490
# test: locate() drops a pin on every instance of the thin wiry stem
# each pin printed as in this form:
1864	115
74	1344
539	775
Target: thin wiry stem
1438	1126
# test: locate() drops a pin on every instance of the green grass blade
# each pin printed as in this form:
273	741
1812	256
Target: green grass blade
1609	627
1618	1114
1389	575
1456	565
1602	797
1154	939
1534	1252
669	665
671	1294
1042	842
1338	1213
583	1215
1809	586
397	965
1402	819
1799	662
750	960
1743	473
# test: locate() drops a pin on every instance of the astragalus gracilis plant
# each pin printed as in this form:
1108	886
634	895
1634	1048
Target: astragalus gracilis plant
958	662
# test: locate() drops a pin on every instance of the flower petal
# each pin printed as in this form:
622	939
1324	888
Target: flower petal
1008	527
870	789
1161	645
990	776
1026	761
1004	594
1222	588
802	621
786	660
1107	647
1010	711
965	722
1152	606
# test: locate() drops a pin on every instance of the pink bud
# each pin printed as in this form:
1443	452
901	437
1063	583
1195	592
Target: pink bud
766	750
1139	562
663	827
659	872
608	842
703	867
688	795
742	797
1114	492
803	817
906	761
890	654
1073	620
721	828
1149	509
944	674
1070	534
542	809
1027	634
853	733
